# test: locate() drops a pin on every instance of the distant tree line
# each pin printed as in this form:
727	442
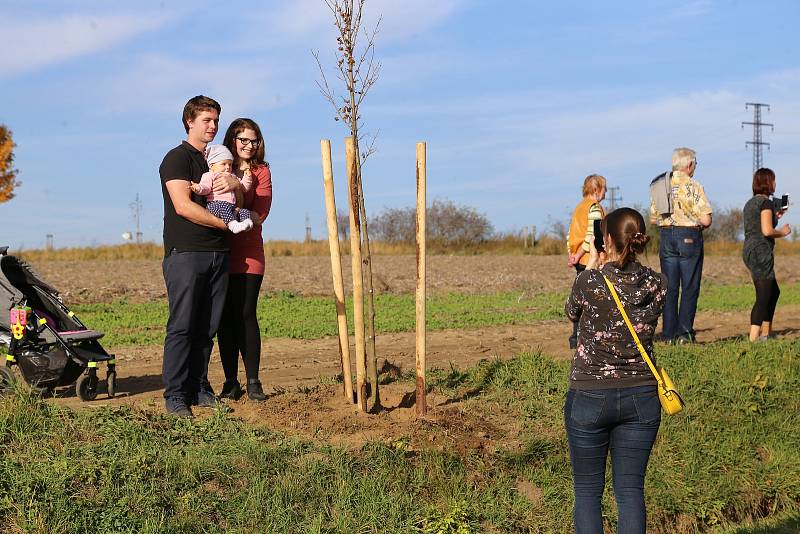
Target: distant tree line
448	224
452	225
727	225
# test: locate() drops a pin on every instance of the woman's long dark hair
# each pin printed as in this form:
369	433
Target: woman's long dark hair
237	127
625	227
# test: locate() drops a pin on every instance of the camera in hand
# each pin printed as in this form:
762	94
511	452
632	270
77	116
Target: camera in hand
598	235
784	204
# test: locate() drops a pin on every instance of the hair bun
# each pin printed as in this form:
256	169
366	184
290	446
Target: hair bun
638	241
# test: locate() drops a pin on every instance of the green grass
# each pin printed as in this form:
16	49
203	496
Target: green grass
730	459
788	523
287	315
125	470
737	297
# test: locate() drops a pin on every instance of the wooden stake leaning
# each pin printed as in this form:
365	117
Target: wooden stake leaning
336	267
358	287
422	406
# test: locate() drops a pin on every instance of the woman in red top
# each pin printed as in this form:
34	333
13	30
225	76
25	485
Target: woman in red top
239	331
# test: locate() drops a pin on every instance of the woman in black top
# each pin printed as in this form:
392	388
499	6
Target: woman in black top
760	220
612	404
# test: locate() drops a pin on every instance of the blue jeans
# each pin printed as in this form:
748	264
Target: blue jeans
681	254
196	286
625	420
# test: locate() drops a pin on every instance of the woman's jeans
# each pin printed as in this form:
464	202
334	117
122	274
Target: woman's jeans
625	420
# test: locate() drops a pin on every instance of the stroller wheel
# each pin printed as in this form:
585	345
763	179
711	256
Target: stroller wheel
86	387
111	383
7	380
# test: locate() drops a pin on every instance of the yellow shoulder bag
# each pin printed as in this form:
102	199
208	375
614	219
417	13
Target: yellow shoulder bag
671	401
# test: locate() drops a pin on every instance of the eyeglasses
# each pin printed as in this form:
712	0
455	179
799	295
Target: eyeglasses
245	141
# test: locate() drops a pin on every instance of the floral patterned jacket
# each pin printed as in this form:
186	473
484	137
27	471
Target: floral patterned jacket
607	356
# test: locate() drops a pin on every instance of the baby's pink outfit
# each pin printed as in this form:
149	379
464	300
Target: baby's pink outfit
207	180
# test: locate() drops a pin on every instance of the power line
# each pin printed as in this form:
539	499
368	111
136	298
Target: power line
308	229
615	198
757	143
136	212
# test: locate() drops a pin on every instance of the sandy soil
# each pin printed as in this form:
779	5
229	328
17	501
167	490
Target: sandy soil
141	280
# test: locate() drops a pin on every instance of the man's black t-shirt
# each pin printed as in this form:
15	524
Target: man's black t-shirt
185	162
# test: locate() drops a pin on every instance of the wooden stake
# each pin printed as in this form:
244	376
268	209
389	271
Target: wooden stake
422	406
336	267
358	287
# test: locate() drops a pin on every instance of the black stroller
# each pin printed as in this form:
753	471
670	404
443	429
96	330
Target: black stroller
45	341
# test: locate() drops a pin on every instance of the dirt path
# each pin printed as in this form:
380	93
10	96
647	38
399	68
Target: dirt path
288	364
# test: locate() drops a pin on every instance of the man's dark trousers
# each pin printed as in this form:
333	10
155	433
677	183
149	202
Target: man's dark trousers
681	254
196	286
573	339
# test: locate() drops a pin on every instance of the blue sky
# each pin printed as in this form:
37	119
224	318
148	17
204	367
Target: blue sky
518	102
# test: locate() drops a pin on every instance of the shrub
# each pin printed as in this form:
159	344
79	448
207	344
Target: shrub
448	224
727	225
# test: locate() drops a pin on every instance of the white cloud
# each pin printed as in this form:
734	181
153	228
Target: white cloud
692	9
301	19
29	45
164	82
534	148
404	19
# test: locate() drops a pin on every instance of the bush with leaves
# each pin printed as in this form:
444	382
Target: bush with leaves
8	174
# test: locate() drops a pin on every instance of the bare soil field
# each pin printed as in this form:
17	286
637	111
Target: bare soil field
304	401
299	373
141	280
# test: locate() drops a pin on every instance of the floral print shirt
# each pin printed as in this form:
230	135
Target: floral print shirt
689	203
607	356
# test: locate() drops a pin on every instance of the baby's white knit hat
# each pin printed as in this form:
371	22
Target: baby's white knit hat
217	153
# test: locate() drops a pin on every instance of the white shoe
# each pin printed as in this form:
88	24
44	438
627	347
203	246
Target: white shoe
237	227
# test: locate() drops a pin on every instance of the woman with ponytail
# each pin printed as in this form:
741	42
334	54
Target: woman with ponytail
612	404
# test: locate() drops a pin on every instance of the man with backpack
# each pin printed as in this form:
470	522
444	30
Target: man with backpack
678	205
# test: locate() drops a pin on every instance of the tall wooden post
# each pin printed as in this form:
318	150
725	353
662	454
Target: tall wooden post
422	406
358	287
336	267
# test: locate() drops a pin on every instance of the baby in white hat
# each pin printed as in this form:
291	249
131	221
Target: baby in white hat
223	205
